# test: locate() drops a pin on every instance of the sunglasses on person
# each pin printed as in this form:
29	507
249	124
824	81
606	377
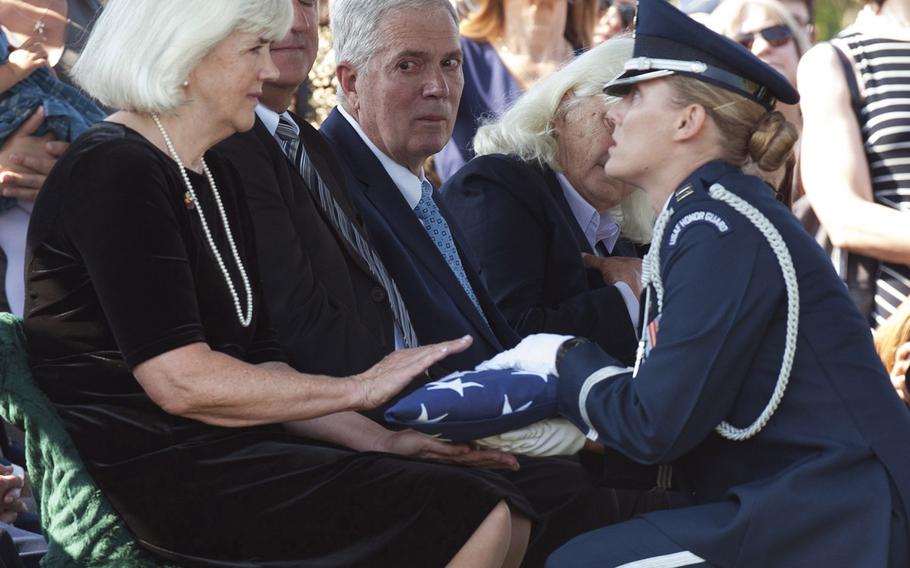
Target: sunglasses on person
776	36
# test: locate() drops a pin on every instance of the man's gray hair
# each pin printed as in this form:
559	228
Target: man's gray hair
526	129
355	27
141	51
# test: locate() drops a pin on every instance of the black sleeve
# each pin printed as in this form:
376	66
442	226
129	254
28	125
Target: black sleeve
122	224
498	207
264	346
318	332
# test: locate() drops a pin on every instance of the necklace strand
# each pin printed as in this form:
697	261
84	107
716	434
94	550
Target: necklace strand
244	320
39	27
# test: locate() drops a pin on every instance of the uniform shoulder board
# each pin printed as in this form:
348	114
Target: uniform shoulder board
684	192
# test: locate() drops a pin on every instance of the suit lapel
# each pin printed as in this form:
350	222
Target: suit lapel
382	193
317	150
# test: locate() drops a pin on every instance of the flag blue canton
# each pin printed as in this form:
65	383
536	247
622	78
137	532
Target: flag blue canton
475	404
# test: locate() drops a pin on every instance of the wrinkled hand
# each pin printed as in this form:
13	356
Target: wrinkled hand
536	353
414	444
11	490
28	58
552	437
899	372
385	379
616	269
25	160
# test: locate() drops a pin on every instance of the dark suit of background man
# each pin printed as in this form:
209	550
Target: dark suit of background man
384	129
332	314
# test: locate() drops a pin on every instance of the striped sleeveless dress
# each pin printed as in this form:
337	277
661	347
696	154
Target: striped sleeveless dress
884	66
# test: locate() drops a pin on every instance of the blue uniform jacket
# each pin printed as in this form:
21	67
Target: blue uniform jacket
827	481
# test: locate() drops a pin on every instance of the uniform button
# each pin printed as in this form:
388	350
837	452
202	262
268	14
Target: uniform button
378	294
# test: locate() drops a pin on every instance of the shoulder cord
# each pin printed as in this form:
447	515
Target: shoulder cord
651	275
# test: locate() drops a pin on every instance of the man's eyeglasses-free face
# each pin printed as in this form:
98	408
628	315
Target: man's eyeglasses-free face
774	35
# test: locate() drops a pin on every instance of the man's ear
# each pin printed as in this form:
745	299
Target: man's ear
690	122
347	78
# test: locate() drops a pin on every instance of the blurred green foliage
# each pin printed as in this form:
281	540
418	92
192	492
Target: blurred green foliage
831	16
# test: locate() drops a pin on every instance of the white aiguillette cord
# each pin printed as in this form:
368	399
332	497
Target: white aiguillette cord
244	319
651	275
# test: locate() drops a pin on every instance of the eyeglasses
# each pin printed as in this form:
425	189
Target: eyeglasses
776	36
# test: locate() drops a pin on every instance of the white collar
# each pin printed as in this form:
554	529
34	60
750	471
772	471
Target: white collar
270	118
597	227
407	183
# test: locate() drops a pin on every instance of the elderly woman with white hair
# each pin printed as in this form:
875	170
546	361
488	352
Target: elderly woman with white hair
147	330
557	242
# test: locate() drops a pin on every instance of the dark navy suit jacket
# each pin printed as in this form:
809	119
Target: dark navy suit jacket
528	245
438	306
331	314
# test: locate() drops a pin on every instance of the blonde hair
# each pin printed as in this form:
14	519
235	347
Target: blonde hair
526	129
750	135
892	333
487	22
141	51
728	17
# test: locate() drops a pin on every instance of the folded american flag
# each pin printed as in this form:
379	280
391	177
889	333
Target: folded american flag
474	404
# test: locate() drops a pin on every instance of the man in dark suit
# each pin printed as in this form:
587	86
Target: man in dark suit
333	313
400	76
397	107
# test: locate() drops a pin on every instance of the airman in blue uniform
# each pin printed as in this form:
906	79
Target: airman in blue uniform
757	381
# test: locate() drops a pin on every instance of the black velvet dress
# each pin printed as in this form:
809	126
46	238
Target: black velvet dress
119	271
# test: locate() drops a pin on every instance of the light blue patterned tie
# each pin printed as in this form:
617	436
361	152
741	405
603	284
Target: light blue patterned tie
434	223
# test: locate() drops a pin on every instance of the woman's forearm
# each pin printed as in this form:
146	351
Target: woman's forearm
348	429
212	387
871	229
195	382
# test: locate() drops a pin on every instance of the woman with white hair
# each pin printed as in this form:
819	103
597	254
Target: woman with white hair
551	233
147	330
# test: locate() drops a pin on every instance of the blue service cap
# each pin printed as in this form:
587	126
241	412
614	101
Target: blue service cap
668	42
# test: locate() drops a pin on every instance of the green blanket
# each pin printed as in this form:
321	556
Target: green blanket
81	527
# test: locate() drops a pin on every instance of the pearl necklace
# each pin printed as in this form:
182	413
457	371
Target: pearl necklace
244	321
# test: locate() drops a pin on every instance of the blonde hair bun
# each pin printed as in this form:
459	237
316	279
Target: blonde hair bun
772	141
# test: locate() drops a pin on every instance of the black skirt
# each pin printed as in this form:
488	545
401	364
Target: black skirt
281	501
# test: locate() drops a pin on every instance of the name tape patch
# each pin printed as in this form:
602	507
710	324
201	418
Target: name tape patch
698	217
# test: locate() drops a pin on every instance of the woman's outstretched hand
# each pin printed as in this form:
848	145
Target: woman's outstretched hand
416	445
385	379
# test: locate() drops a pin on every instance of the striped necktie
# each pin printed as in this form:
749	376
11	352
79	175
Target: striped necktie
438	230
288	135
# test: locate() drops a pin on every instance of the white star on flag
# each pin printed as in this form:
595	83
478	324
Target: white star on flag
455	385
507	408
425	416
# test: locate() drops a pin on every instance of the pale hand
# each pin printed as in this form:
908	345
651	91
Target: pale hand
10	490
552	437
25	160
616	269
536	353
385	379
416	445
27	59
